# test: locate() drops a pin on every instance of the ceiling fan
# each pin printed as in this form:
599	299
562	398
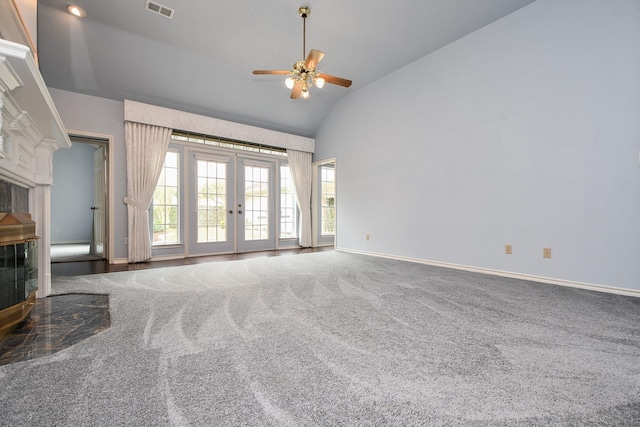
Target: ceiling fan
304	74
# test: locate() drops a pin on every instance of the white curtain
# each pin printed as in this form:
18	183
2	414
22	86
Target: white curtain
146	149
300	165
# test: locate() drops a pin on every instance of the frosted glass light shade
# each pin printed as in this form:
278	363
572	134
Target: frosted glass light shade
289	82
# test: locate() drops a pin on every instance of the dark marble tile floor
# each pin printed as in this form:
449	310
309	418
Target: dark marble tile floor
55	323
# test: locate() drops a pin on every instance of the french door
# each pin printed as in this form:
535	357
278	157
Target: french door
324	203
231	204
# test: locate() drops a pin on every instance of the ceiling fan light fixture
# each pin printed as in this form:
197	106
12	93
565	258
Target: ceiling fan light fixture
304	74
289	83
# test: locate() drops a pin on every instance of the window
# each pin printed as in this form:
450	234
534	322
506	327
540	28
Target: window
166	203
328	194
288	211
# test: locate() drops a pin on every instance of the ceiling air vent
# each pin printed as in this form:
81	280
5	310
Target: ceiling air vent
160	9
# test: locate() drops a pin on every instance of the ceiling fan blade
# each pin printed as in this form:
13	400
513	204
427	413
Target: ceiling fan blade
313	58
296	92
271	72
335	80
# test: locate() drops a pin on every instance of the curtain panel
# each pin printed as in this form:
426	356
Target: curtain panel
301	172
146	148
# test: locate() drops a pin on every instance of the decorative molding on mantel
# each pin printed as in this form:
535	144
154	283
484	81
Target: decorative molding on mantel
179	120
29	118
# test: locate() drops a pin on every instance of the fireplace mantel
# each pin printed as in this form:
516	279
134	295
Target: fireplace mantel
30	131
30	127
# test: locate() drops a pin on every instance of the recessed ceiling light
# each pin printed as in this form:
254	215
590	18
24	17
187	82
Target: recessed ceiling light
77	11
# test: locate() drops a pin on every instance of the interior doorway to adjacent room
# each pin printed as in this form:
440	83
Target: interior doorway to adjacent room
80	200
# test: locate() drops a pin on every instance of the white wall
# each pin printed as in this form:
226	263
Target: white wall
72	194
526	132
103	116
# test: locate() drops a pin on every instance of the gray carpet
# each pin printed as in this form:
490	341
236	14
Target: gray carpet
73	252
333	338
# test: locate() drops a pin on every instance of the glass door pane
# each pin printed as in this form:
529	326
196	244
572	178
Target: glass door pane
212	218
212	201
325	203
256	203
328	200
256	189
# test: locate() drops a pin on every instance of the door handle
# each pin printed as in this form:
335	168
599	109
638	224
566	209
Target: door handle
239	212
230	211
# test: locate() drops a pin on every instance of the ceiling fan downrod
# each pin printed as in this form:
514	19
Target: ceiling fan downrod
304	11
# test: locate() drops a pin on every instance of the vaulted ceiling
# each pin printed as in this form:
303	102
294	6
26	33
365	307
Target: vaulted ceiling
201	60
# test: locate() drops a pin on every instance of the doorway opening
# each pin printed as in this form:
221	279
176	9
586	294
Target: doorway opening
80	200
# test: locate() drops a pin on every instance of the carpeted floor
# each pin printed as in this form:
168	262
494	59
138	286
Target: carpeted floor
336	339
73	252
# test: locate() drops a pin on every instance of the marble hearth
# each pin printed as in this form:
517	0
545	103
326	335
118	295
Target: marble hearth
56	322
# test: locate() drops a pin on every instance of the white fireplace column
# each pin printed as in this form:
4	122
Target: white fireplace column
40	205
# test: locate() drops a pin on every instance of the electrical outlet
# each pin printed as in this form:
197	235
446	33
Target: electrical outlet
546	253
126	240
508	249
366	237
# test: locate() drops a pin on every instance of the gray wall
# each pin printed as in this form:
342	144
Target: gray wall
106	117
72	194
526	132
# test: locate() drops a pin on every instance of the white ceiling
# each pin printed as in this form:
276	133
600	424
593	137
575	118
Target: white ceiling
201	60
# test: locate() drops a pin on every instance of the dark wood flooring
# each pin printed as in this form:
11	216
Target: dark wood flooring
81	268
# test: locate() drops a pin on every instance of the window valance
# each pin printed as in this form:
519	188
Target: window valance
174	119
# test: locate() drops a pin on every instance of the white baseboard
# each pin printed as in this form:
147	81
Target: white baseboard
551	281
120	261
